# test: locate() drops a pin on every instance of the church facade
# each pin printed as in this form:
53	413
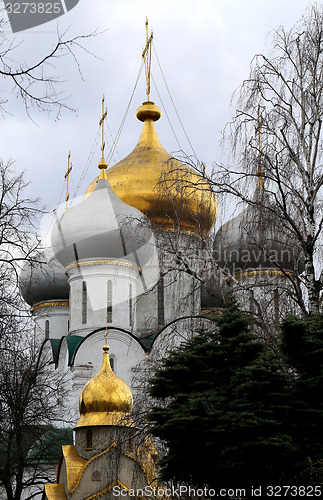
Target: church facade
133	264
116	261
110	458
133	256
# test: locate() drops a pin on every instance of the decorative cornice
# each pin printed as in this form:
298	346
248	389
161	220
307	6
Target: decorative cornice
101	262
52	303
260	272
162	228
211	311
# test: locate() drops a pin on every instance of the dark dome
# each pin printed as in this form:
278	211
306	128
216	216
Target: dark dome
102	227
43	279
256	239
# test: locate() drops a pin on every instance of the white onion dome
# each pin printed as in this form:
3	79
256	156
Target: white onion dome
256	240
102	227
42	279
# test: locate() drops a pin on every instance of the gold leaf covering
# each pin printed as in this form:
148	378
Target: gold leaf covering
106	399
167	191
74	464
55	492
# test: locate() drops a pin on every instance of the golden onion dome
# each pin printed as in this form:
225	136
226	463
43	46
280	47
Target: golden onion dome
169	192
106	399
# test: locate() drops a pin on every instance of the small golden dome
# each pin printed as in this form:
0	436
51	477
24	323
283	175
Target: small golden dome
169	192
106	399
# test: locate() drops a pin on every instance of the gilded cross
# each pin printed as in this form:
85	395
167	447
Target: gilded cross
67	177
101	123
147	58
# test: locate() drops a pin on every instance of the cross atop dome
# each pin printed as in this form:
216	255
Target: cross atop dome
103	164
146	54
67	177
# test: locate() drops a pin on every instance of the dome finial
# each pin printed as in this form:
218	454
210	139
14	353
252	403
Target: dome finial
146	54
103	164
260	169
67	177
148	110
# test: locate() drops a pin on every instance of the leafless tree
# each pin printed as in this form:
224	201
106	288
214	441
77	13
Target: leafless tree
36	85
282	99
287	87
35	82
18	218
30	391
31	402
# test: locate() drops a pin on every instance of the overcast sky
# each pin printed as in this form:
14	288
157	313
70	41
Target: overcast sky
204	47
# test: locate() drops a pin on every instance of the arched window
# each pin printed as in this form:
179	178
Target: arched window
160	299
84	303
112	364
276	306
193	294
130	306
109	302
70	310
89	439
251	302
47	329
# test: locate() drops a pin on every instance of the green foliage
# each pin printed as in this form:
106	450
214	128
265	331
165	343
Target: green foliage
223	409
47	448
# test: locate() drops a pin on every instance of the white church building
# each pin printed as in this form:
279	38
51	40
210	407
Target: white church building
131	258
114	262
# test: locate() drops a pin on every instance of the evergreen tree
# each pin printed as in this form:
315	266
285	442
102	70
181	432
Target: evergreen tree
223	409
302	345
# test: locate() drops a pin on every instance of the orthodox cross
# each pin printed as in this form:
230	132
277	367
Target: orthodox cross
101	124
67	177
147	58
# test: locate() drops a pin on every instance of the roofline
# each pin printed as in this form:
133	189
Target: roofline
103	329
118	329
197	316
